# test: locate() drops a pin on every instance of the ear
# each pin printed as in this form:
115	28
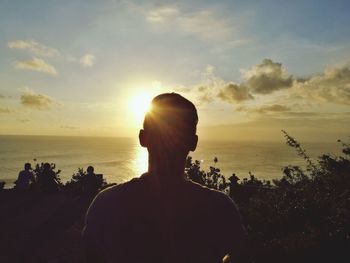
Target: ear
143	138
193	143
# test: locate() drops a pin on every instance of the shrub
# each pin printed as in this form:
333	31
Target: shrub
302	216
47	179
212	179
78	182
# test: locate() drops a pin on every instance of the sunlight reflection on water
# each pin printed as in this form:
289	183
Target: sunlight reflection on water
141	160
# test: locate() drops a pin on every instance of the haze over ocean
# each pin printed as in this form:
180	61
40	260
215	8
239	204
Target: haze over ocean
121	159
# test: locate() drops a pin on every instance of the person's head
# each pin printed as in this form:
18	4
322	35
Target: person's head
90	170
170	125
27	166
47	167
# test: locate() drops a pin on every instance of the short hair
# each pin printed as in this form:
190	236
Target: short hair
47	166
27	165
172	111
90	168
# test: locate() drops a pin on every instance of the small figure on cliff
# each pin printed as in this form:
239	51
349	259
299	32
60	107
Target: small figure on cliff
47	180
91	181
235	188
161	216
25	178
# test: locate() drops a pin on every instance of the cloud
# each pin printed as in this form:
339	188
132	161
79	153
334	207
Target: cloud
162	14
33	47
38	49
23	120
287	112
203	23
204	94
234	93
36	101
213	87
207	90
69	127
5	110
87	60
333	85
260	83
36	64
272	108
262	79
267	77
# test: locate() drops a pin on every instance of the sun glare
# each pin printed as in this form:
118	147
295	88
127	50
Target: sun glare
139	105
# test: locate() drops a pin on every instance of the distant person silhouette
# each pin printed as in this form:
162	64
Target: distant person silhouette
25	178
161	216
47	180
91	181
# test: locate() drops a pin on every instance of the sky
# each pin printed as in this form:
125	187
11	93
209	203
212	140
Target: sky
252	68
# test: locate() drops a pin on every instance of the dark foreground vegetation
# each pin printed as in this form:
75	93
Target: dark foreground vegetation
44	222
302	217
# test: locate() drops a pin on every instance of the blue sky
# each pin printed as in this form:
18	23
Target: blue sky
247	65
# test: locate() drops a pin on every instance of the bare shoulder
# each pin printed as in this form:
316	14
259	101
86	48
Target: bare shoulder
111	194
211	194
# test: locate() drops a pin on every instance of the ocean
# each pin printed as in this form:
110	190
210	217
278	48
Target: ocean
120	159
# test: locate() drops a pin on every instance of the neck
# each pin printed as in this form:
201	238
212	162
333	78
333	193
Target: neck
167	167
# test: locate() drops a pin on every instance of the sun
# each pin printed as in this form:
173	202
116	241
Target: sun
139	105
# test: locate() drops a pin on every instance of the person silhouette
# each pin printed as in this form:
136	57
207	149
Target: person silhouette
91	181
47	180
25	178
161	216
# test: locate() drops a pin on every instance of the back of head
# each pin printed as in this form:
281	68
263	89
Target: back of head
27	166
90	170
47	167
171	123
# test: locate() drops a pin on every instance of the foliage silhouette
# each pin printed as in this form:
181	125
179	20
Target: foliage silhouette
77	183
302	216
46	177
212	179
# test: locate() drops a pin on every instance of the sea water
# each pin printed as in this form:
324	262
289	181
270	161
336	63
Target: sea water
120	159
